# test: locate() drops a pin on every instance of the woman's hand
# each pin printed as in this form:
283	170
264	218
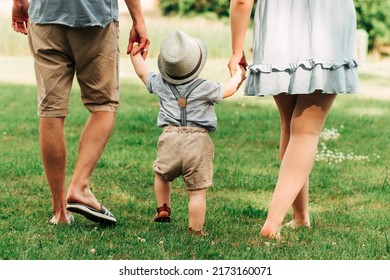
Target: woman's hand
235	61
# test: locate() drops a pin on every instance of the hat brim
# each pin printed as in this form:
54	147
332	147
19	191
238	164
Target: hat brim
179	81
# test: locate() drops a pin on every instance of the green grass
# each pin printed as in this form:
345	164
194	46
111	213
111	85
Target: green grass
349	199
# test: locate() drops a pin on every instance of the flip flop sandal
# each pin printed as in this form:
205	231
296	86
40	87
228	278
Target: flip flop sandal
103	216
163	214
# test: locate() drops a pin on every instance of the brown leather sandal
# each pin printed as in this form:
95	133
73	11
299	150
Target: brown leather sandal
163	214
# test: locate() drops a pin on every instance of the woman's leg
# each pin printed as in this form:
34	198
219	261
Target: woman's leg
300	206
307	121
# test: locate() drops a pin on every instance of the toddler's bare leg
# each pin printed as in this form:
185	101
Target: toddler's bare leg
197	209
162	189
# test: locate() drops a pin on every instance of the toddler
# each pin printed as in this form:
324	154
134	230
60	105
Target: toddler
187	116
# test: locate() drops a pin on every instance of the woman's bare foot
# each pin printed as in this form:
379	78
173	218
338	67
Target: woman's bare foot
293	224
270	232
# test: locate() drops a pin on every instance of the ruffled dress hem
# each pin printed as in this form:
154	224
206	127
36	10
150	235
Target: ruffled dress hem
303	77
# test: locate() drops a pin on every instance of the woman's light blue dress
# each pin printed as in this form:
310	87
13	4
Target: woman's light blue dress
300	46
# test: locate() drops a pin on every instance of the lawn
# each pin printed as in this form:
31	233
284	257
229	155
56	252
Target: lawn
349	185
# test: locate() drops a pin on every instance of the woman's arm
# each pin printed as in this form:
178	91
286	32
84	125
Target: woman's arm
240	13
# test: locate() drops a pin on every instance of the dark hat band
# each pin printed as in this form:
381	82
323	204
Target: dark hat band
192	72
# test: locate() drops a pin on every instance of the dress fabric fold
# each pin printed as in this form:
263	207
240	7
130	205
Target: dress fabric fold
302	46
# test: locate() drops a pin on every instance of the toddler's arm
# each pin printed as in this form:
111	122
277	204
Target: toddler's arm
140	66
234	83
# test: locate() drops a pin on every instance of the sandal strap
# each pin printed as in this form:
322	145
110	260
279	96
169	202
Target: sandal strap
164	208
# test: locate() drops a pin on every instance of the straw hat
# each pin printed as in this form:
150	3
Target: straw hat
181	57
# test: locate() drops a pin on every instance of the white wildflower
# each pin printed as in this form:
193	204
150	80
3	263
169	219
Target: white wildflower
142	240
329	156
329	134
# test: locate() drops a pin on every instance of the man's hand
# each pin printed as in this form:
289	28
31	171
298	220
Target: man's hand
20	16
138	35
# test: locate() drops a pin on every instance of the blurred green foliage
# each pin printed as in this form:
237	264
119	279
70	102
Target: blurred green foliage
372	15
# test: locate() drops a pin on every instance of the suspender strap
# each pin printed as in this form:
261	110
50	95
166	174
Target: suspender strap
192	87
182	99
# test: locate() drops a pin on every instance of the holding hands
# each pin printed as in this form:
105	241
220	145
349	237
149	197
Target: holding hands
235	61
237	72
138	35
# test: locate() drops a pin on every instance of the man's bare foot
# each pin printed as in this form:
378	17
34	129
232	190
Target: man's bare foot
85	197
63	221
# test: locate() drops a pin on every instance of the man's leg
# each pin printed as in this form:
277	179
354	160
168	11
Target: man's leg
53	150
92	143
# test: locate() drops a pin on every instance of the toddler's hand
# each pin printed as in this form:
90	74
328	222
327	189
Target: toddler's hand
241	72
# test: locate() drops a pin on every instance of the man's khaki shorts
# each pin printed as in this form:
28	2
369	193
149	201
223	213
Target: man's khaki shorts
186	152
60	52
